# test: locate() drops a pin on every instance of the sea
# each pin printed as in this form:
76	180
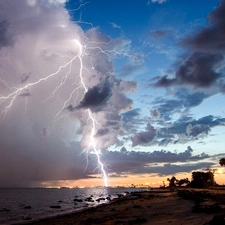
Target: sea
23	205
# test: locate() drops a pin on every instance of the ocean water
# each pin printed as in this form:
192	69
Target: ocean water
28	204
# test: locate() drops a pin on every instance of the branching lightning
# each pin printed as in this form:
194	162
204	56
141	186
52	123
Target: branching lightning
8	100
11	98
93	130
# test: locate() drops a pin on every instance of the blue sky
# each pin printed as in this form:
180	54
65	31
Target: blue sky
149	73
155	31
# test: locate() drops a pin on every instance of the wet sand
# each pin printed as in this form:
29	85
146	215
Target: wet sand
156	207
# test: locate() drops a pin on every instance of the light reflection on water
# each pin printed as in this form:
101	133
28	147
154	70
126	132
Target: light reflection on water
14	203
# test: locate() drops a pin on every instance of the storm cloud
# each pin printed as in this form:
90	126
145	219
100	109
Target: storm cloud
144	137
198	70
146	162
212	38
95	98
204	66
44	141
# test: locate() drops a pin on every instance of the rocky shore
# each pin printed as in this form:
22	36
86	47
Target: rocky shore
155	207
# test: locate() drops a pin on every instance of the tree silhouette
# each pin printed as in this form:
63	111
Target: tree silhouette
202	179
184	181
222	162
172	182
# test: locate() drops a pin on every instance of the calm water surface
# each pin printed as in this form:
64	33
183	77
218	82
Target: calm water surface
21	205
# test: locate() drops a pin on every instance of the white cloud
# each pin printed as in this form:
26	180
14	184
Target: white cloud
115	25
154	1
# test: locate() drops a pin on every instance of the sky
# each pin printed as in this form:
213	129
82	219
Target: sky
131	92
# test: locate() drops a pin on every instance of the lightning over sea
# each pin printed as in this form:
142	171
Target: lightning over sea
58	87
60	109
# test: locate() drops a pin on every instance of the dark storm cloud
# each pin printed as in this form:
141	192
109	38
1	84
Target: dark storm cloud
128	161
95	98
5	37
212	38
203	67
144	137
198	70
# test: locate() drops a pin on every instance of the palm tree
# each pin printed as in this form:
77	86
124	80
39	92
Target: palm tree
222	162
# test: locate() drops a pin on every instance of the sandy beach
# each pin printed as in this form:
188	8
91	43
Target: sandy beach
155	207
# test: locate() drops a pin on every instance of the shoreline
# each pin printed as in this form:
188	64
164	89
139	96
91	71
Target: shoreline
156	207
74	211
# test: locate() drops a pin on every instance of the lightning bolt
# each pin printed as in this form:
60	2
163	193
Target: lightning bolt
11	98
8	100
93	145
93	130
